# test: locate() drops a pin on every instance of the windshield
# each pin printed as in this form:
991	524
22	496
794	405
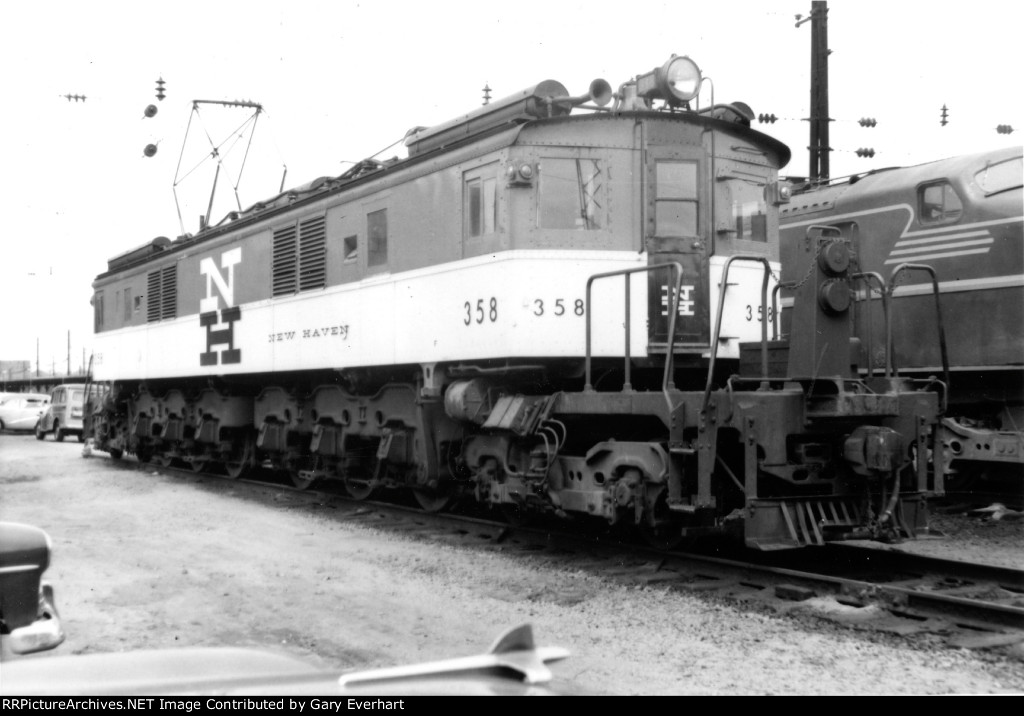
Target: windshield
572	194
749	211
1002	176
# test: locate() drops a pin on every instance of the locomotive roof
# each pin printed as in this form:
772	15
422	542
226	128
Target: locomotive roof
428	143
809	197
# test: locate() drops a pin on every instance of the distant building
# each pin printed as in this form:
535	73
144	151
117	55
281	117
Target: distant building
15	370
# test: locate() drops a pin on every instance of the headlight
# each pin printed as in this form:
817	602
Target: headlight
680	78
676	82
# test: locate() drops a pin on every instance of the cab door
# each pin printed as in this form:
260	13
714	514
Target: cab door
674	232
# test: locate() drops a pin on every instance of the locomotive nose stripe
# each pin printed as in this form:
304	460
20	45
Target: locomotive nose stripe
950	237
945	255
941	247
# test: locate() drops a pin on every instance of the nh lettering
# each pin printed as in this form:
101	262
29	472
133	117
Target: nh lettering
220	329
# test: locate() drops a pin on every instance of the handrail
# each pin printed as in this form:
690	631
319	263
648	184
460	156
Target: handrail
673	313
776	290
938	314
718	321
883	290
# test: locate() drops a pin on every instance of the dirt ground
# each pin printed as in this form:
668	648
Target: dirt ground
144	560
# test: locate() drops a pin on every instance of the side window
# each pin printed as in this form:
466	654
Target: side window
480	201
938	203
744	196
351	249
675	198
127	304
377	238
995	178
97	308
573	194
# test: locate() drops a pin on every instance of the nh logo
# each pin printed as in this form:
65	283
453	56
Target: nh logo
220	330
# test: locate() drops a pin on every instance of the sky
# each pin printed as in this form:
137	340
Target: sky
340	81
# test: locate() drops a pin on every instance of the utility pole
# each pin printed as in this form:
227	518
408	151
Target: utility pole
819	119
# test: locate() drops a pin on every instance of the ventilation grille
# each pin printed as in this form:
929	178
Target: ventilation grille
284	269
300	257
162	298
312	254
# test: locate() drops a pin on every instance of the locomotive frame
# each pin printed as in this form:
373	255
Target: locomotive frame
539	311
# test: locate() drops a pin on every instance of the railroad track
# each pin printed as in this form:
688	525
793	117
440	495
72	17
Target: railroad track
961	604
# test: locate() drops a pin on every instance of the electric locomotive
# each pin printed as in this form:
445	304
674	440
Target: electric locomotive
963	216
554	304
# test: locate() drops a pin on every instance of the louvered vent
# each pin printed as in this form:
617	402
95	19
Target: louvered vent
312	254
162	293
153	297
169	292
284	268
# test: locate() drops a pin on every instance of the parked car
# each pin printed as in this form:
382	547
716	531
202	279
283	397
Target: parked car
21	411
28	616
63	417
514	666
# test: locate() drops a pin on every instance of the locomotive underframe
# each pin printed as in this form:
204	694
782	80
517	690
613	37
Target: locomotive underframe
759	459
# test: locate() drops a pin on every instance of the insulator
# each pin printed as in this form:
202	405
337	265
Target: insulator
150	150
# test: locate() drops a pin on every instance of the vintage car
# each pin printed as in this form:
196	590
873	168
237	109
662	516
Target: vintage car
28	616
21	411
63	417
514	666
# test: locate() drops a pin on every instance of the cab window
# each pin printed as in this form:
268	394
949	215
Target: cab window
746	198
480	201
939	203
1002	176
377	238
675	198
573	194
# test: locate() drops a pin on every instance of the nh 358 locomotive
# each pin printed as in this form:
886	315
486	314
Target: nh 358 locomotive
555	304
963	216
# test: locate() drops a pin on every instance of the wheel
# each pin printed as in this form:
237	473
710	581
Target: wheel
240	464
659	528
81	437
431	500
663	537
116	453
359	475
40	434
300	482
515	514
58	433
163	459
198	464
359	488
2	426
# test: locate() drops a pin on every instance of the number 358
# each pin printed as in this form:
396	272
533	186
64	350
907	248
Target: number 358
483	310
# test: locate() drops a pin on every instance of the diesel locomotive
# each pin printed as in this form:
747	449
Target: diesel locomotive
963	216
555	304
